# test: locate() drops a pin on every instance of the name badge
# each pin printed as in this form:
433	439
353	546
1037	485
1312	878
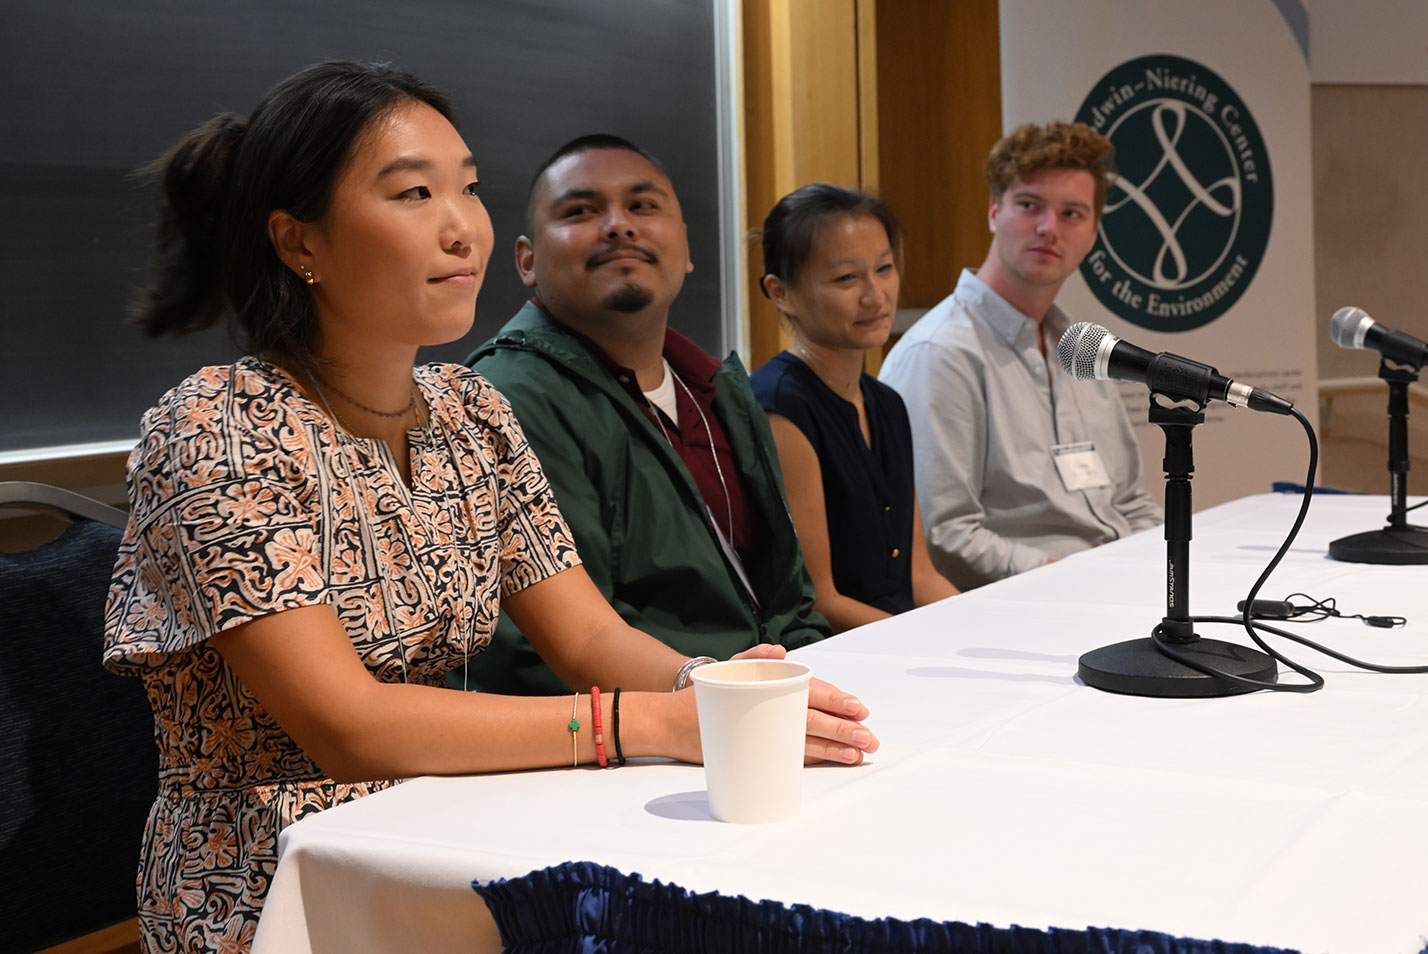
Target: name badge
1080	466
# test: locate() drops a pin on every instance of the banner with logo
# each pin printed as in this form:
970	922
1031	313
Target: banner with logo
1205	248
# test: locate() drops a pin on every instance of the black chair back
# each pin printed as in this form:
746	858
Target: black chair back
78	764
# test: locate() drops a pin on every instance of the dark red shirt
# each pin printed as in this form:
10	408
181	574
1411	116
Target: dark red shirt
690	439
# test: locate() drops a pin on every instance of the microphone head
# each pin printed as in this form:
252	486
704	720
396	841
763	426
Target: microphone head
1348	327
1079	350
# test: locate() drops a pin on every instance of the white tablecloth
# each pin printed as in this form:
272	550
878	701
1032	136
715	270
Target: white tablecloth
1005	792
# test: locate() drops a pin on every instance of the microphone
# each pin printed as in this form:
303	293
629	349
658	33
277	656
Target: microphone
1353	328
1089	352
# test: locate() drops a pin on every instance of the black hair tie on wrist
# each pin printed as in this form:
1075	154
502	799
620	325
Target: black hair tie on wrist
615	727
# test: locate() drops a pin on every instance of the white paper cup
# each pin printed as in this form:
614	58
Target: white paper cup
753	715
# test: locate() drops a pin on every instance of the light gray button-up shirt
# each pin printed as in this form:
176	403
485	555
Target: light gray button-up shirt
986	411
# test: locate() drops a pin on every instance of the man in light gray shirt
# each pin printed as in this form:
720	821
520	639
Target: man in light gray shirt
1017	465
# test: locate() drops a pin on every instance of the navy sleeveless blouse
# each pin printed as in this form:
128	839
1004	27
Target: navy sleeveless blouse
868	491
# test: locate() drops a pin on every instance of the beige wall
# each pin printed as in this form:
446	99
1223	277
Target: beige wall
1370	211
1370	216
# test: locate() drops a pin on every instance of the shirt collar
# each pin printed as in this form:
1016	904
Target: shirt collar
1011	324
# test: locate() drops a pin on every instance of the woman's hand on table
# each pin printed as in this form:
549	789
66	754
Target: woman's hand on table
835	718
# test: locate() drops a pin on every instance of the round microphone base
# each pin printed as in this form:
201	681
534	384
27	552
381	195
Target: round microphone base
1392	545
1137	668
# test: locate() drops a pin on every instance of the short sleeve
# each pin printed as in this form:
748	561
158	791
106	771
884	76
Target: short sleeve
223	528
535	542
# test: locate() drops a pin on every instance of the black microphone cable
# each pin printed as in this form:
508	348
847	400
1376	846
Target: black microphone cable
1415	507
1316	681
1316	611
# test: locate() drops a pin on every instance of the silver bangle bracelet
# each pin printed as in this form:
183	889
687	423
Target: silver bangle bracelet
681	679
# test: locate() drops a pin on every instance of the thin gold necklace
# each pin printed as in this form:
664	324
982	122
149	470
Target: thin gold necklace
422	419
411	401
817	370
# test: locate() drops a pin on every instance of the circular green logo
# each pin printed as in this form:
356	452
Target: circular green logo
1187	220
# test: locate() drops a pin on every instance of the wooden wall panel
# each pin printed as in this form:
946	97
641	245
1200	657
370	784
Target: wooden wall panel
804	118
824	54
768	110
939	112
901	97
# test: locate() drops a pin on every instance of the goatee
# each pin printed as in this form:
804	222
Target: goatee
629	299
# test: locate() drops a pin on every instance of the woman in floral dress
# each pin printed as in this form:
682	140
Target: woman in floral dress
321	531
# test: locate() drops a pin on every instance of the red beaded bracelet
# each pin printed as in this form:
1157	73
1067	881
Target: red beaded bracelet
599	732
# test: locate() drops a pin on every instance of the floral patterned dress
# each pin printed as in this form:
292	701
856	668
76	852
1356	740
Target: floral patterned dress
247	500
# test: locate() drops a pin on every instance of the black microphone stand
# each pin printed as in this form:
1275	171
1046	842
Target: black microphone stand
1400	542
1139	667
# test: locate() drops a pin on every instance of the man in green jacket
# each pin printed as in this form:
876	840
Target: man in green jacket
660	458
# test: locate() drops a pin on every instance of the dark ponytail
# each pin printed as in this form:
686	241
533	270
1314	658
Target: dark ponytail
184	295
220	183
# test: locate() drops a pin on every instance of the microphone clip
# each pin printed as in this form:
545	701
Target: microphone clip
1175	403
1174	410
1393	371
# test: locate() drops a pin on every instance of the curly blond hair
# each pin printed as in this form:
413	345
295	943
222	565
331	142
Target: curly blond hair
1030	148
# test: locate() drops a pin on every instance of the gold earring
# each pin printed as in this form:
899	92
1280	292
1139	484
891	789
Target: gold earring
307	276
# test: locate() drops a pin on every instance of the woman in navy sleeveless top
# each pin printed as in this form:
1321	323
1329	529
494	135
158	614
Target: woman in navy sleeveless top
843	437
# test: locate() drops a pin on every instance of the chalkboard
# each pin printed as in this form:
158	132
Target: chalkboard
94	89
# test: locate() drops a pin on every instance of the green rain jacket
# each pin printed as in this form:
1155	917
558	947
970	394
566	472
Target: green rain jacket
637	516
